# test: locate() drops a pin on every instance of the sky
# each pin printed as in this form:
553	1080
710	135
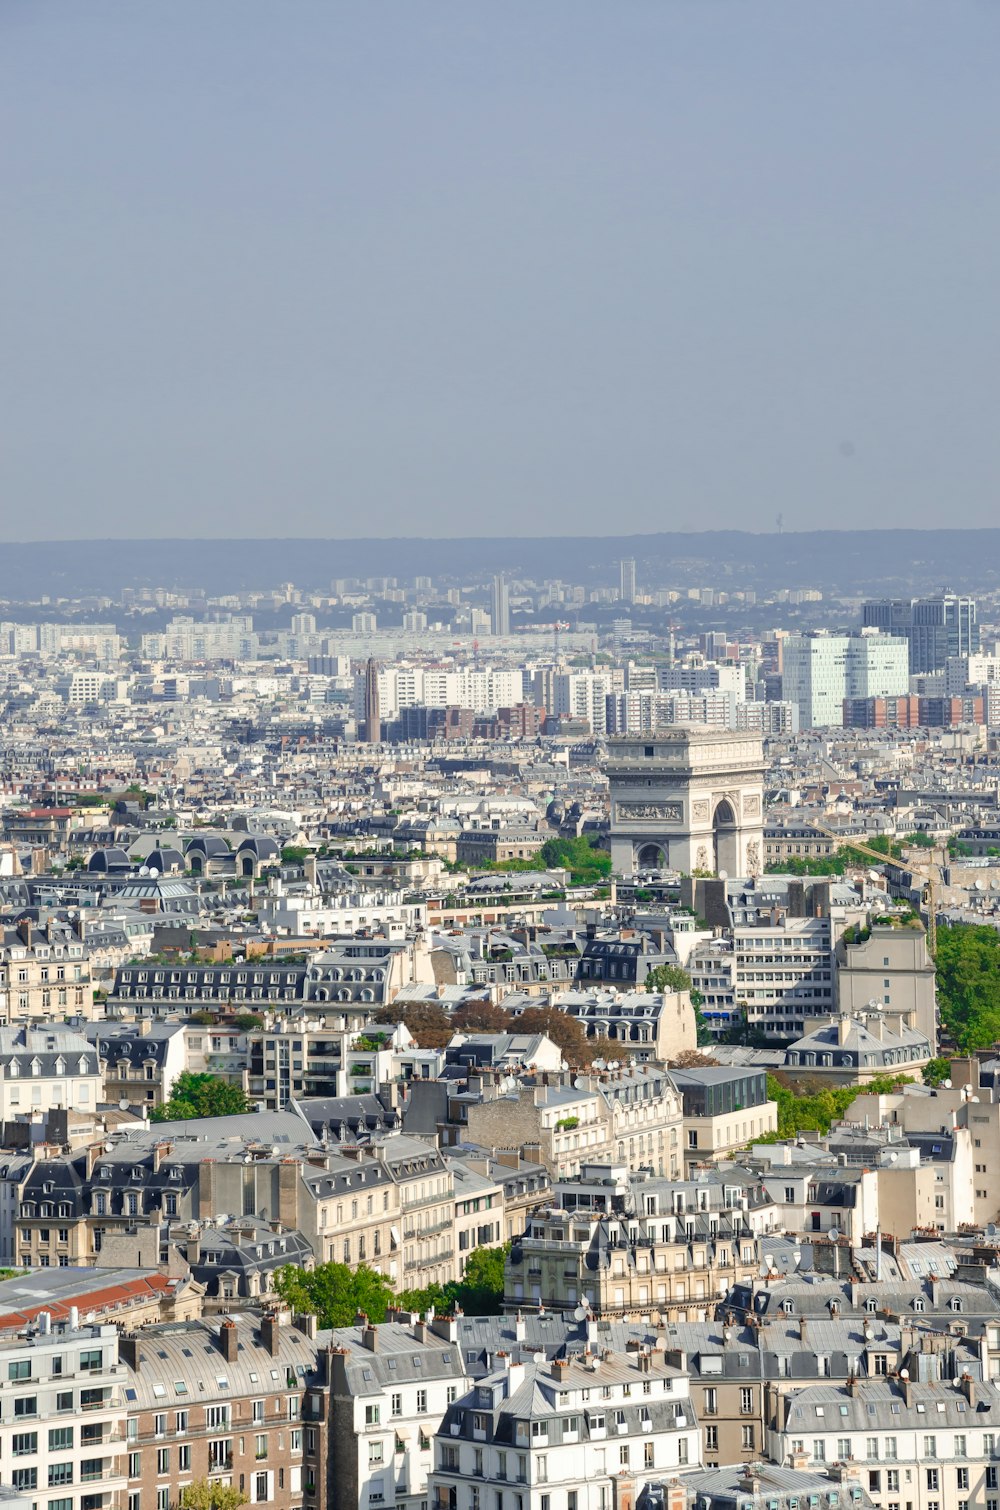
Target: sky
383	268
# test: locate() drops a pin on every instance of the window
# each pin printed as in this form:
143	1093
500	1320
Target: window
184	1458
648	1454
421	1402
396	1406
91	1360
372	1415
260	1446
27	1405
25	1478
746	1401
163	1460
60	1439
746	1438
933	1478
180	1422
60	1473
20	1369
24	1443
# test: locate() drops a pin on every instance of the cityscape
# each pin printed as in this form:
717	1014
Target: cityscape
499	756
450	1023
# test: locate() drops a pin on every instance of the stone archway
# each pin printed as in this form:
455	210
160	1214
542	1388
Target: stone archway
726	836
650	857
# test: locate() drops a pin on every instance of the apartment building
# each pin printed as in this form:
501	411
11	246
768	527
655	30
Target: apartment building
390	1387
916	1443
891	967
223	1401
565	1431
723	1111
62	1426
44	972
624	1244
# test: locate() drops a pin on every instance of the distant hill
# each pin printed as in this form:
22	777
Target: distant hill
834	561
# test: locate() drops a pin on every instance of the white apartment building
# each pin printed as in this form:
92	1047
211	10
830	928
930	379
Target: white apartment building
785	976
562	1435
926	1446
62	1419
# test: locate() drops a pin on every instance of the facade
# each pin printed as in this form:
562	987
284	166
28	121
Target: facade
627	1245
723	1111
821	670
567	1431
934	629
238	1402
689	799
500	606
45	1068
62	1430
891	969
852	1050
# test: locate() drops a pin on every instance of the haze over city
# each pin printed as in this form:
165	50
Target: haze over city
464	269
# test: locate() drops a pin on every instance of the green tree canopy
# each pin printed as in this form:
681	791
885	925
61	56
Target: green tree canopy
207	1494
968	984
428	1022
200	1095
816	1112
479	1293
334	1293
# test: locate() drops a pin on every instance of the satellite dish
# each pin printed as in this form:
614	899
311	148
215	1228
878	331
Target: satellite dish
108	1147
904	1373
869	1333
124	1104
723	875
946	1084
834	1234
579	1314
991	1229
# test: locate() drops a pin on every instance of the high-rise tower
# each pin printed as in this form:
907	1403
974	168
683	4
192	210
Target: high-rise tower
373	721
501	605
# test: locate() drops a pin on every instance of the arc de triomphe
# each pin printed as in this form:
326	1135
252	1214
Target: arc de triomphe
687	798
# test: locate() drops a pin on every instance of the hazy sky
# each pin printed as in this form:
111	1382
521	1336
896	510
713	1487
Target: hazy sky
353	267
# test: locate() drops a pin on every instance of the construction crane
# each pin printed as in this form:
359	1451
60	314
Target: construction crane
876	854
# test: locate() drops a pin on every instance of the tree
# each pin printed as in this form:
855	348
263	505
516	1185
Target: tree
968	984
207	1494
481	1017
247	1021
428	1022
936	1071
667	978
479	1293
334	1293
566	1032
692	1059
294	854
200	1095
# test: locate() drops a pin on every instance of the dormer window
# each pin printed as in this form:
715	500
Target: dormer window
36	1066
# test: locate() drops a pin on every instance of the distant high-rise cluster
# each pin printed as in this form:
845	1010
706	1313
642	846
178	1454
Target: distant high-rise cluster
934	628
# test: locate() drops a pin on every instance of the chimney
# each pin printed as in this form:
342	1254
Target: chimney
969	1389
519	1327
128	1350
369	1336
24	930
306	1324
269	1332
420	1329
228	1341
560	1368
803	1329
